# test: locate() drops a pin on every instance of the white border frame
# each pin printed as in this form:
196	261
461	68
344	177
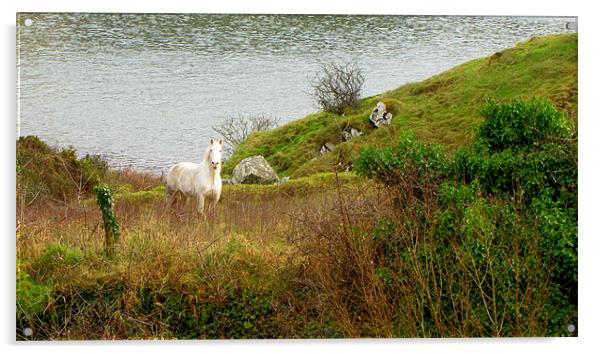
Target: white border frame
589	118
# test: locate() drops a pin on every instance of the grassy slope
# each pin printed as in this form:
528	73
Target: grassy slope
442	109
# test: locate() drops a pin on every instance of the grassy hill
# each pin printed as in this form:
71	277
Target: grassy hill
442	109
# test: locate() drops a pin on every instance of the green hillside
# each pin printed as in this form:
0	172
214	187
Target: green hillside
442	109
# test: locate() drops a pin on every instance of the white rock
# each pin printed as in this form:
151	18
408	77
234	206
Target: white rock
254	170
380	115
326	148
350	133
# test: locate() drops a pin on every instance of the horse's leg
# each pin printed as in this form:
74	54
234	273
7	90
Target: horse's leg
214	206
200	206
170	196
170	199
168	193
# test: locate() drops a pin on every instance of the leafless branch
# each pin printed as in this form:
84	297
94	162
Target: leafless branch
235	130
337	86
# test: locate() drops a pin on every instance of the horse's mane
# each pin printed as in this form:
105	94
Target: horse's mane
206	154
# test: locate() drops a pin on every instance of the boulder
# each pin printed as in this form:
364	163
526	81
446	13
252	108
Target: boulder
254	170
350	133
380	115
226	181
326	148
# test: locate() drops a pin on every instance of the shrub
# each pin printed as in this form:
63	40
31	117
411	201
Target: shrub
522	149
59	254
54	259
47	173
409	160
526	152
337	87
242	313
521	124
32	297
557	227
503	224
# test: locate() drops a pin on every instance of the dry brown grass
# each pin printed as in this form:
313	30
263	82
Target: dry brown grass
247	244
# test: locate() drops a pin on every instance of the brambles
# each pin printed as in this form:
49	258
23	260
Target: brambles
337	87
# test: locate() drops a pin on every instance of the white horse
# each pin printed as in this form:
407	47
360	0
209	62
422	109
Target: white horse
201	181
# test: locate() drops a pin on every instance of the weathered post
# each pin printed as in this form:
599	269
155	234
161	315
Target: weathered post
106	205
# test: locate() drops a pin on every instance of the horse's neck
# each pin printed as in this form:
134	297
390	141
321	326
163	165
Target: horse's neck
205	168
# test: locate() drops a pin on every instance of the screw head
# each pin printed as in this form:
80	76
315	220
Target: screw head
570	328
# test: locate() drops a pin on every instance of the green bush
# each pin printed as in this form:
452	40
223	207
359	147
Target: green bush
525	151
522	149
410	158
59	254
243	314
32	297
521	124
55	257
557	227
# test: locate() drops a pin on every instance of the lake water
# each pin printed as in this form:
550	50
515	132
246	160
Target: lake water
144	90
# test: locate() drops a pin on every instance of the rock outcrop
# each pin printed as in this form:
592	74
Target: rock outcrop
254	170
326	148
350	133
380	115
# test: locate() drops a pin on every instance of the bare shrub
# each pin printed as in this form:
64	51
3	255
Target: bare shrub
379	262
235	130
337	86
333	236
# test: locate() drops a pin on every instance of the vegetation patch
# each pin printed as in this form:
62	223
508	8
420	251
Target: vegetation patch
46	173
502	211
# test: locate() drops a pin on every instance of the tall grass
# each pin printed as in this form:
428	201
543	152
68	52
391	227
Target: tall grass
173	274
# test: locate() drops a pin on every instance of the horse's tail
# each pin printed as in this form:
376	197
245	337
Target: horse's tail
168	189
165	175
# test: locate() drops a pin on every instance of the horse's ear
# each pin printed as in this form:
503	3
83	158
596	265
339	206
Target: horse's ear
220	141
211	141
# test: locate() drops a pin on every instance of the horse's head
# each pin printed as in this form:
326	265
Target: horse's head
215	153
